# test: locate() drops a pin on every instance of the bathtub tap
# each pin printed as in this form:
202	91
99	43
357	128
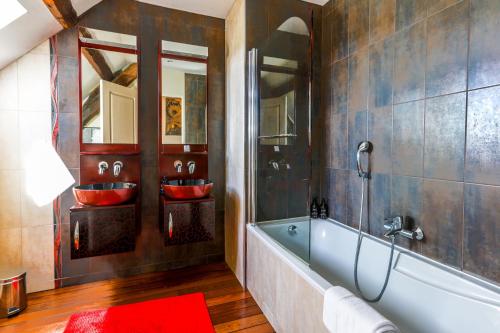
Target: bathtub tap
400	225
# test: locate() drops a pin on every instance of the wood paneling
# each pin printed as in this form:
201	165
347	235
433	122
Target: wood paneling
231	308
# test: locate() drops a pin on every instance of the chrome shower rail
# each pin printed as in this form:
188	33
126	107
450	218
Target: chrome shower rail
276	136
253	108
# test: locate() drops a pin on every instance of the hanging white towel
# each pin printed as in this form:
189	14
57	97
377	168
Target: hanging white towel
343	312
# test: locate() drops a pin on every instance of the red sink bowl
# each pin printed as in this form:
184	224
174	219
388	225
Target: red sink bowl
186	189
104	194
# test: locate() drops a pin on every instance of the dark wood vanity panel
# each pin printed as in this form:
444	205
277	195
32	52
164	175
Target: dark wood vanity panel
186	222
97	231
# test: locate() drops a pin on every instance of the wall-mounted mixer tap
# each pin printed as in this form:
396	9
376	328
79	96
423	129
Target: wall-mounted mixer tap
275	165
117	168
191	167
103	166
178	166
399	225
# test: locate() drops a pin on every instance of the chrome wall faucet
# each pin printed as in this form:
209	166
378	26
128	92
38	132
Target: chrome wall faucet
178	166
103	166
117	168
400	225
191	167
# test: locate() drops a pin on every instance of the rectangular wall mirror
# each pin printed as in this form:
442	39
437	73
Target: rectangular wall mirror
183	113
109	87
277	103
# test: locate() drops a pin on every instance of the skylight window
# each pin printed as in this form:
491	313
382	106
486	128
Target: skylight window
11	11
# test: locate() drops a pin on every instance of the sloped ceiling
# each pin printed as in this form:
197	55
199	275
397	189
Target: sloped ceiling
31	29
38	24
215	8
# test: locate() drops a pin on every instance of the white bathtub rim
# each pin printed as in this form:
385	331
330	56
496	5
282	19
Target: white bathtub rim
298	265
491	286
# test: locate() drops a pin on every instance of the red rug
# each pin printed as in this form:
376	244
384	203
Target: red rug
186	314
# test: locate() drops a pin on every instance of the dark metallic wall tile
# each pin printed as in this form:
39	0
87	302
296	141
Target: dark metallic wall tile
381	74
380	135
358	24
358	81
481	236
353	201
339	86
379	203
408	139
445	137
357	132
409	66
406	200
326	38
67	85
382	13
69	143
337	194
484	56
339	30
409	12
447	41
442	221
483	137
434	6
338	144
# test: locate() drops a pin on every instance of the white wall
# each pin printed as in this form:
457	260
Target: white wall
173	85
235	216
26	231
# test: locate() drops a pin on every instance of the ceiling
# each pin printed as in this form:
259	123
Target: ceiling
215	8
37	25
33	28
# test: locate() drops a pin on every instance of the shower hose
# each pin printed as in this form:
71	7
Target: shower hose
358	248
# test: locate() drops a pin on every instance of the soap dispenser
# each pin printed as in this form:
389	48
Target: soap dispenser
314	209
323	209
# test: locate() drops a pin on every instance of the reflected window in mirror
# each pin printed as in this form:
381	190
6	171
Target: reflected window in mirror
109	87
184	84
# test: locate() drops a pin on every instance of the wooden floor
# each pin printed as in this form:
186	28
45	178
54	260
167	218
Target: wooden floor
231	308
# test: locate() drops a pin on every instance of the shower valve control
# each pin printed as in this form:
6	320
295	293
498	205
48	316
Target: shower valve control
400	225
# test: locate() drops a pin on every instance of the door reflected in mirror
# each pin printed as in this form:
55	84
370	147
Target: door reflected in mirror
109	87
183	94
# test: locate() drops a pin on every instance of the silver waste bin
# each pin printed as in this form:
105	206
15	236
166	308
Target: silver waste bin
12	292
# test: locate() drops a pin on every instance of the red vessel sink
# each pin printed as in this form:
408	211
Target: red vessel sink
186	189
104	194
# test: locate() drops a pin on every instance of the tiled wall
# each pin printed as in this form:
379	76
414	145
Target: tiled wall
420	80
26	230
151	24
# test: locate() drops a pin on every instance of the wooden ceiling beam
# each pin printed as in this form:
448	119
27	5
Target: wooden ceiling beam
63	12
96	58
91	106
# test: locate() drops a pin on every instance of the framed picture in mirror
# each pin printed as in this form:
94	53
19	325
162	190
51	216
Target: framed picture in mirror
183	97
109	92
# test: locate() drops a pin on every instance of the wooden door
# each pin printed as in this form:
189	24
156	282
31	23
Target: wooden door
118	113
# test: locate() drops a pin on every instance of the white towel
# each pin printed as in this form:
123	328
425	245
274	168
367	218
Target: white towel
345	313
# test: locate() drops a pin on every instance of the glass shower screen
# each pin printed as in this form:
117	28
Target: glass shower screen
279	135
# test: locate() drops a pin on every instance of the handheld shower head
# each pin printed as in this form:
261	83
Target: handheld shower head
363	147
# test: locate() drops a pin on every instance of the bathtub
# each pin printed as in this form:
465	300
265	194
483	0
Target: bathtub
295	240
422	296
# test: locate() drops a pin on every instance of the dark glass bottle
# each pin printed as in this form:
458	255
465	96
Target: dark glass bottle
323	210
314	209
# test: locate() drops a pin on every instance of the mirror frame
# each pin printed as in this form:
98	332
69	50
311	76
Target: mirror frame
166	149
107	148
